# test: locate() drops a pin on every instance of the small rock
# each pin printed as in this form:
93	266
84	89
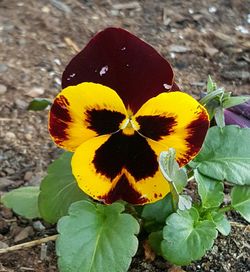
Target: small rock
128	5
3	245
5	183
179	49
45	9
6	213
28	175
21	104
175	269
37	225
35	92
211	51
242	29
61	6
28	136
9	171
10	135
3	67
58	81
23	234
57	62
214	249
212	9
243	75
3	89
4	228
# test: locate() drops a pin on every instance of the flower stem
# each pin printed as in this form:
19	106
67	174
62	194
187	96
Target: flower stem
226	208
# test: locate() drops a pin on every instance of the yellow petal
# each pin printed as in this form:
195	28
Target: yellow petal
84	111
174	120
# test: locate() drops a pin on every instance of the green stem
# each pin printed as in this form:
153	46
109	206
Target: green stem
211	96
226	208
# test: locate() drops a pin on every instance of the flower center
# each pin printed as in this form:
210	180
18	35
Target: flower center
129	125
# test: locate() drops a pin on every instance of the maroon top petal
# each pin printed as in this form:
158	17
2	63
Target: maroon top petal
123	62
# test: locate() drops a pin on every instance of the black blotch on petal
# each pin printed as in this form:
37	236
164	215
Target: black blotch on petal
131	152
156	126
123	190
104	121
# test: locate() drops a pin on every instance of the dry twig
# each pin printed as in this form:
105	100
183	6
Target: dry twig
29	244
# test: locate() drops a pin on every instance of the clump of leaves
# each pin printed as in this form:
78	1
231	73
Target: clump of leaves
95	237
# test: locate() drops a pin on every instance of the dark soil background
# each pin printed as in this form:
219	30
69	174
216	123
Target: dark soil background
38	38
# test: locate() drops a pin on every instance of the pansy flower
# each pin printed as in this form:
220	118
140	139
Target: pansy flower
116	114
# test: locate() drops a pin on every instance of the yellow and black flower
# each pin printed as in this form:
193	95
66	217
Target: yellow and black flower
115	115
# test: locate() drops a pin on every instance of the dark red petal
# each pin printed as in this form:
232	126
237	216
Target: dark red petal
123	62
175	88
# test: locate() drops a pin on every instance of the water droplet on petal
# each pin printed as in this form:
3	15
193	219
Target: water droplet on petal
166	86
123	48
104	70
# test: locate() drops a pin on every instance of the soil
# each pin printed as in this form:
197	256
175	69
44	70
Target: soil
38	38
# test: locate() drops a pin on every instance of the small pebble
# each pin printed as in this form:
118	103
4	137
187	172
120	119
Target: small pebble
3	245
28	175
21	104
37	225
179	49
3	67
9	171
28	136
3	89
23	234
6	213
35	92
4	228
10	135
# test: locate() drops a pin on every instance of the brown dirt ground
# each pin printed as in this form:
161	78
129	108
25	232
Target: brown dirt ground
38	38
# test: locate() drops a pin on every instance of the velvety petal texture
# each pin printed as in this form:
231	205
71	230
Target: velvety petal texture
116	151
121	61
84	111
175	120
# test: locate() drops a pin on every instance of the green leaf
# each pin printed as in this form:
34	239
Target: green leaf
219	117
156	213
23	201
58	189
171	170
210	190
234	101
95	237
39	104
155	239
225	155
186	238
221	222
211	108
185	202
241	200
215	95
211	86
